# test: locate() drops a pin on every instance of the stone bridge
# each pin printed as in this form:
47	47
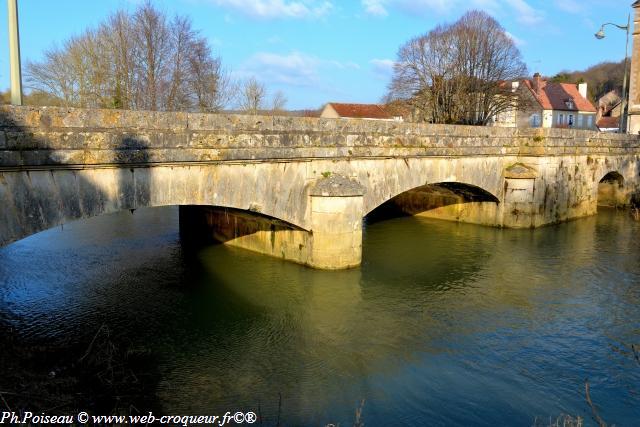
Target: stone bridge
298	188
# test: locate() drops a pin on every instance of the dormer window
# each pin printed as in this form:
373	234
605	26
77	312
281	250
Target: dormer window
569	104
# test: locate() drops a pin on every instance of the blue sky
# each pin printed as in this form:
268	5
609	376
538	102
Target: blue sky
317	51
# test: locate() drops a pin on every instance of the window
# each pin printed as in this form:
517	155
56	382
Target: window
590	121
561	119
535	120
580	120
570	120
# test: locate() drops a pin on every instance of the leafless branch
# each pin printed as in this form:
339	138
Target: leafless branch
138	60
459	73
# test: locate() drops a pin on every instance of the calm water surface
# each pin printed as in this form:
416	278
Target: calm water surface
444	324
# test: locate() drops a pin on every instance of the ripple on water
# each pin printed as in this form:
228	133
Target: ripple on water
444	324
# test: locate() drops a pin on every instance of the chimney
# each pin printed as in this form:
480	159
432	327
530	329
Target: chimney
582	88
537	83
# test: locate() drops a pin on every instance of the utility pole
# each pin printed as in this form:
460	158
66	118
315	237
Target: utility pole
14	53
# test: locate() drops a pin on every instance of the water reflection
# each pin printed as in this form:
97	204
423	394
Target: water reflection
444	323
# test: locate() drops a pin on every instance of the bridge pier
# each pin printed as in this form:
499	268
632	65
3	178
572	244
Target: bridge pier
336	221
333	243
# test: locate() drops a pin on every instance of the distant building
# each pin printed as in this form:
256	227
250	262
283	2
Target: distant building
609	124
508	117
557	105
609	102
334	110
609	112
549	105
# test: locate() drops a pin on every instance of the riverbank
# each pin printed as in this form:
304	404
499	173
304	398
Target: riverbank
61	378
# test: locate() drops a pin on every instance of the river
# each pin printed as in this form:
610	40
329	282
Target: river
443	324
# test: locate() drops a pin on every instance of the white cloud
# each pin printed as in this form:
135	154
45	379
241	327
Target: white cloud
422	7
426	6
275	9
525	13
375	7
589	23
518	41
344	65
383	68
295	68
570	6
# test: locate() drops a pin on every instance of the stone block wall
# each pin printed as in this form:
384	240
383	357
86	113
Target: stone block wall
320	177
37	137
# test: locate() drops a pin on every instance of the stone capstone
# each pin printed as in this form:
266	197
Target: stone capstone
335	185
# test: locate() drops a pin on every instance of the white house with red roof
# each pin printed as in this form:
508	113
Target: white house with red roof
557	105
335	110
550	105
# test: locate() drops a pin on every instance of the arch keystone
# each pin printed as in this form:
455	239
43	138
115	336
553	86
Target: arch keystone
520	171
334	185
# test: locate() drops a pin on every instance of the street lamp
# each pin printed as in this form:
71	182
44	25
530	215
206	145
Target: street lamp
14	52
600	35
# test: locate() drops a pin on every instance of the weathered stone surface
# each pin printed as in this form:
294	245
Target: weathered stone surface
265	137
320	176
335	185
520	171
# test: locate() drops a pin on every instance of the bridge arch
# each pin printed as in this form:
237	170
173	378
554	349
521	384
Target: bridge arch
456	189
35	200
454	201
612	191
390	178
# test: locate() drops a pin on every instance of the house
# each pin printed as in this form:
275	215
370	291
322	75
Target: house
507	117
609	124
609	112
556	105
334	110
549	105
610	102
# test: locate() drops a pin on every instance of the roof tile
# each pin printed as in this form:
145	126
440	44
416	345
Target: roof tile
608	122
360	111
554	96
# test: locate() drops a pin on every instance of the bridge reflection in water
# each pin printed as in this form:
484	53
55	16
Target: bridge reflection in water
446	322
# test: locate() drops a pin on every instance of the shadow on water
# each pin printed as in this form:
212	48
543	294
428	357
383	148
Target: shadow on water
95	367
486	315
450	323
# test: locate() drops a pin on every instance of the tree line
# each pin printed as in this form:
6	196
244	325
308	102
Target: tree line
142	60
601	78
458	73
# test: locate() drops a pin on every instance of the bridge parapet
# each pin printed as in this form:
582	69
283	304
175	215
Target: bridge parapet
49	136
251	178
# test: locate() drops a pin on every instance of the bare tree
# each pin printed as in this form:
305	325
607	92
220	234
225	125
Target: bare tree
278	102
209	83
459	73
117	33
152	53
252	96
142	60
